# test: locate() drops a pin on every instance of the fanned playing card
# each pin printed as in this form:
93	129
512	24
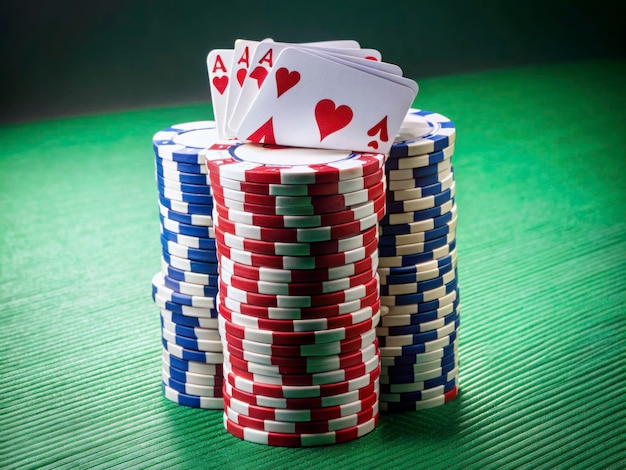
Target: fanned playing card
218	67
312	99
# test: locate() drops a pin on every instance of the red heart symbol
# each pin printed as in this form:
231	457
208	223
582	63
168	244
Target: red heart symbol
241	76
330	118
220	83
286	80
373	144
259	74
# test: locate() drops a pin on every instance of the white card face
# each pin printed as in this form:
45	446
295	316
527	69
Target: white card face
218	66
312	101
345	44
242	54
364	64
261	64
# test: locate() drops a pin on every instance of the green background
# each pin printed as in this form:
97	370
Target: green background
63	57
539	166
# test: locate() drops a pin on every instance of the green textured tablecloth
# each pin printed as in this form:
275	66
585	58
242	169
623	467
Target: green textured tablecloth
541	193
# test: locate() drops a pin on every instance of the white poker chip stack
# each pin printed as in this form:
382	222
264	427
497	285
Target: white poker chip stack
186	288
418	268
298	294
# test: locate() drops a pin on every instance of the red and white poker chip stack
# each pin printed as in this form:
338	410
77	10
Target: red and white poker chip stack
296	236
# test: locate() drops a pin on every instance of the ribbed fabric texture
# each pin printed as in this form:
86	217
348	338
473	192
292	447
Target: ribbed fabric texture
541	191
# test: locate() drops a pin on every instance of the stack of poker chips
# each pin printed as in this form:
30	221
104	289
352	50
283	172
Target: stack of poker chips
417	268
186	288
298	296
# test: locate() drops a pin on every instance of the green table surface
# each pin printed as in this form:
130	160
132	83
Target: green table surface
541	193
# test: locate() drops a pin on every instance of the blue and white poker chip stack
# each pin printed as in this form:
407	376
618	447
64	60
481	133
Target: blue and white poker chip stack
186	288
417	268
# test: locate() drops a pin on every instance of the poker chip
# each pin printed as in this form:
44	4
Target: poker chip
299	301
292	235
416	248
420	395
190	388
208	357
189	288
351	214
190	265
423	132
327	392
319	349
185	207
418	327
296	249
389	233
301	403
186	289
340	258
189	331
198	189
425	180
416	277
420	358
392	319
334	425
449	274
419	386
182	177
338	375
299	275
417	216
185	252
417	173
181	196
421	367
421	191
427	202
205	371
300	313
210	403
422	307
181	167
310	288
411	339
189	219
279	365
316	189
186	229
421	404
411	260
189	321
257	163
301	337
311	204
192	377
300	415
418	268
299	440
323	322
189	241
419	160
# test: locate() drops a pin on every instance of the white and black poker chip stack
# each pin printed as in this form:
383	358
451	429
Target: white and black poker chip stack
418	268
298	294
186	288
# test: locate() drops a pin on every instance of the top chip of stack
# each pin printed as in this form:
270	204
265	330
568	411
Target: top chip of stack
296	236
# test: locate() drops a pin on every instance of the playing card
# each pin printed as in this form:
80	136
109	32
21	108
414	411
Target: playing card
218	66
242	54
312	101
262	63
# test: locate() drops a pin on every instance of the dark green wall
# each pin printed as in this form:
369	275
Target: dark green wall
76	56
